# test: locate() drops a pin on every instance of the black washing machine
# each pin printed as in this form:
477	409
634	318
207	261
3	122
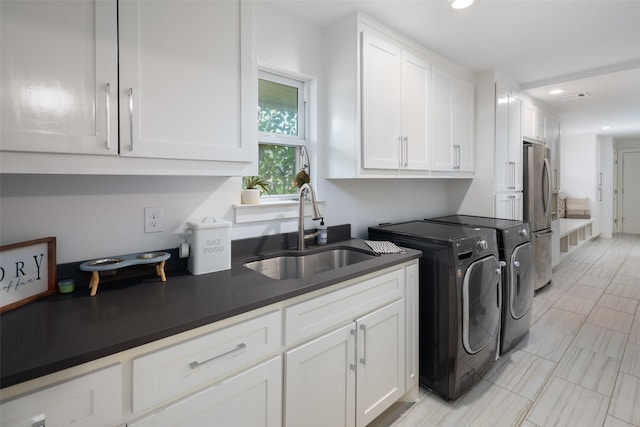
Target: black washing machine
514	248
459	301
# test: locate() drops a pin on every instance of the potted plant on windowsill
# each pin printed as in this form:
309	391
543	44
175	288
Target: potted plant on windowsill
254	186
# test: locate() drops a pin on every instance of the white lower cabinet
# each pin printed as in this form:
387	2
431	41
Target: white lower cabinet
339	356
412	314
320	381
251	398
162	375
91	400
350	375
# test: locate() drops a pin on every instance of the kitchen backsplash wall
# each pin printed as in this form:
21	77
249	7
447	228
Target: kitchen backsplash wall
97	216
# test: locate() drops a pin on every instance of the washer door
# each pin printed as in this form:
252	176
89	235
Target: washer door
481	304
521	281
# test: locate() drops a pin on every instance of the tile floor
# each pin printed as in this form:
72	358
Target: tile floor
580	363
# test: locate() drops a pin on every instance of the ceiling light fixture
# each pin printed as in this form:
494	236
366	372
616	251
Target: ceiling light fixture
605	127
556	92
461	4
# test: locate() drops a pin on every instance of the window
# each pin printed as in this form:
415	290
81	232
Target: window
281	130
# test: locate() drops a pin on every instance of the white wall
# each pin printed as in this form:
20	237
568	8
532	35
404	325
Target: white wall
96	216
579	156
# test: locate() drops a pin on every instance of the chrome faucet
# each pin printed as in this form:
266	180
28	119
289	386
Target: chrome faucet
306	188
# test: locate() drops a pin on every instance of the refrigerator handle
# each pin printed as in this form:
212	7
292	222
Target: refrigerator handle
548	172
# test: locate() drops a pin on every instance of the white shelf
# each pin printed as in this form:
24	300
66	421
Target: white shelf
572	233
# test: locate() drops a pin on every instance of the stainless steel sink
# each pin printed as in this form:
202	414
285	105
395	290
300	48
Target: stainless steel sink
300	265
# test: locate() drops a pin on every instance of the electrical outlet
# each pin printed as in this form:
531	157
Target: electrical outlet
153	217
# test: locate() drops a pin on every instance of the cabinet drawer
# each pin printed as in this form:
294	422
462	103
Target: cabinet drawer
251	398
91	400
320	314
169	373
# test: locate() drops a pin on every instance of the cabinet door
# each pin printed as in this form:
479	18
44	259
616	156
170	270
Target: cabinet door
515	141
416	90
91	400
508	154
381	103
532	122
59	76
552	128
251	398
463	117
187	80
509	205
452	113
320	381
381	361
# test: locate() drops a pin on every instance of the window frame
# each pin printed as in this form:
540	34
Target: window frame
300	140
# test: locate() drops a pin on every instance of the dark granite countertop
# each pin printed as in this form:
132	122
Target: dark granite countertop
65	330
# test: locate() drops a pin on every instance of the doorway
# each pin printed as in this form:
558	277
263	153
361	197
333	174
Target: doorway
629	190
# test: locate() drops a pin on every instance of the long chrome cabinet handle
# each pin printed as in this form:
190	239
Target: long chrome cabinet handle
406	151
353	365
195	364
400	151
131	119
363	328
456	149
107	102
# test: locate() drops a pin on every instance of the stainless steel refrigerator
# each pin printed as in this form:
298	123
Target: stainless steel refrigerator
537	208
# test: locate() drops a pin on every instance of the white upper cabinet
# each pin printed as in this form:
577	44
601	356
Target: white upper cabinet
59	76
145	82
384	110
452	105
552	128
508	152
532	123
381	103
395	99
181	74
416	92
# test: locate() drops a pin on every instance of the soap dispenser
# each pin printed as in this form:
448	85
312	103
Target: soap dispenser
322	233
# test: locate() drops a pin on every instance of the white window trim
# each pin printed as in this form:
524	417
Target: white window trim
278	139
302	83
281	207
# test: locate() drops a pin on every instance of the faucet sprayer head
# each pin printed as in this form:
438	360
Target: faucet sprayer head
316	212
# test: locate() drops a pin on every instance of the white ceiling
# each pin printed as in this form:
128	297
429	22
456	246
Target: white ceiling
580	45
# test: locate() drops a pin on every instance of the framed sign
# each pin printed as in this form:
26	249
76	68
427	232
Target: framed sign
27	272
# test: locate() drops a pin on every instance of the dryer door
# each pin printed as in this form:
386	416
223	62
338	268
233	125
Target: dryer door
521	281
481	304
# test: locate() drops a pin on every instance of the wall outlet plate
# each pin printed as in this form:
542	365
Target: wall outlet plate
153	217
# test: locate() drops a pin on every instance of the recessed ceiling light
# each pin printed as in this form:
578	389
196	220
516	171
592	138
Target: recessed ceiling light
461	4
556	91
605	127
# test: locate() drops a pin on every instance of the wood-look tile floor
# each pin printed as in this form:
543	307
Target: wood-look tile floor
580	363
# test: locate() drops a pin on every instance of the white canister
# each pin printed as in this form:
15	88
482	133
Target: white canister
210	246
